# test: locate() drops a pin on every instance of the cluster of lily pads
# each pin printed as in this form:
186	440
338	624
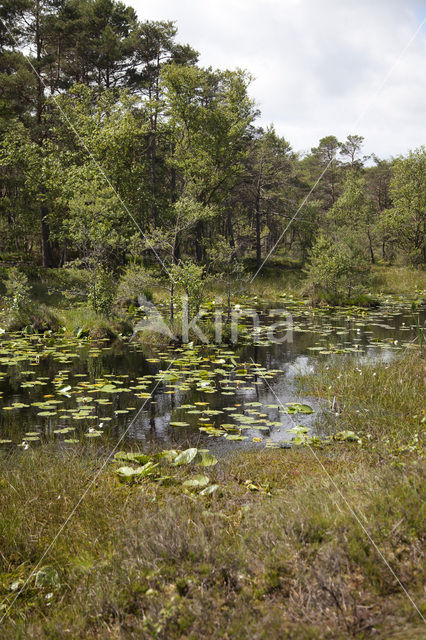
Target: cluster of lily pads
58	386
302	437
159	468
238	420
81	402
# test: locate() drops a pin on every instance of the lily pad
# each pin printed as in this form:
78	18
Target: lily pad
197	481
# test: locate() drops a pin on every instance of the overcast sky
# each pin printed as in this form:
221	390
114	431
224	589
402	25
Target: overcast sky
318	64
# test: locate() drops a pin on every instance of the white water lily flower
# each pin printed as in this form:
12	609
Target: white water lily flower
101	424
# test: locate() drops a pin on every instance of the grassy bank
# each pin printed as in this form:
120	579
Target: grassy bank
274	553
398	280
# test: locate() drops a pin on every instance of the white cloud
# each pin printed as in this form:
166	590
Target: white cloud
317	64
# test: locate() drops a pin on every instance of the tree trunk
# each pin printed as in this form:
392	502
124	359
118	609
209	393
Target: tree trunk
198	241
373	259
230	230
46	247
154	216
257	220
154	122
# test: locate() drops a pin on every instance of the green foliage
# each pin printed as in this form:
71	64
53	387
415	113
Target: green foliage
18	292
136	281
189	276
95	221
102	291
227	267
406	220
21	312
137	153
335	271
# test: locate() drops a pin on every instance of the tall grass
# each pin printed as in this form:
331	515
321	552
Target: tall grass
398	280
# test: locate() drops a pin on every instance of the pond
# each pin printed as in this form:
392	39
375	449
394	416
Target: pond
223	396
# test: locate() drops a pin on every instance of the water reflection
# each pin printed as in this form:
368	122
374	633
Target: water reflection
317	336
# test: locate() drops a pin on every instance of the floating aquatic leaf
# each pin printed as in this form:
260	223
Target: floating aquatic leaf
299	429
140	458
209	490
197	481
204	458
297	407
130	473
168	454
110	388
126	472
186	456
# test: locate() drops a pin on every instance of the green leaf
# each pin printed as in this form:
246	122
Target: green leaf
186	456
209	490
349	436
141	458
131	473
299	429
47	577
205	459
297	407
197	481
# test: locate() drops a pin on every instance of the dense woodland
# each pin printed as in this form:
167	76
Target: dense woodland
117	148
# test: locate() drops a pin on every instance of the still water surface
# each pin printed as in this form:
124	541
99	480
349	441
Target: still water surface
71	390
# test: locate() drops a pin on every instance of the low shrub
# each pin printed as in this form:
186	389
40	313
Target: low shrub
134	282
